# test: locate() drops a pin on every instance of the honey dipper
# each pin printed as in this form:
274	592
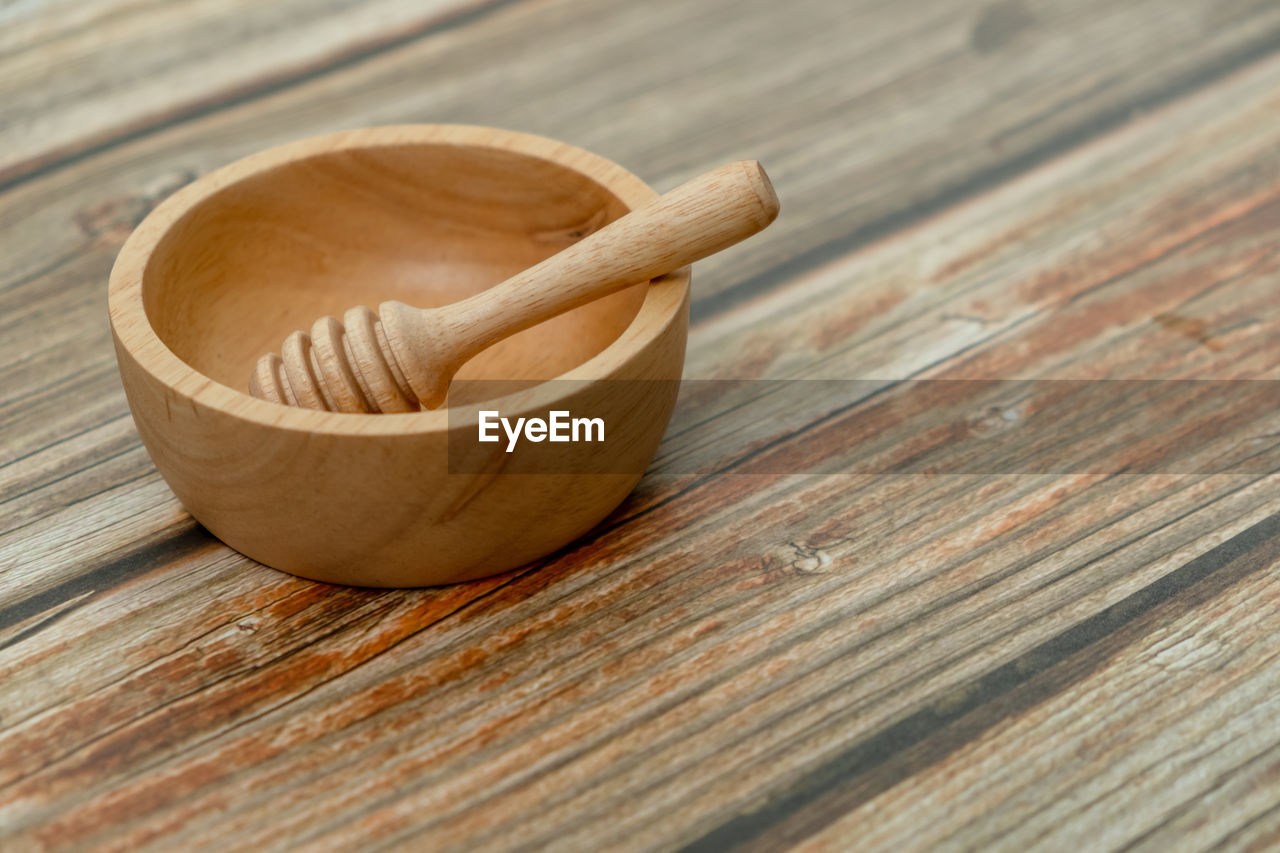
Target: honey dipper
404	357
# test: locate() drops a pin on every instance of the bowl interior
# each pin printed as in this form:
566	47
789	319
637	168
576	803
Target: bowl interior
426	224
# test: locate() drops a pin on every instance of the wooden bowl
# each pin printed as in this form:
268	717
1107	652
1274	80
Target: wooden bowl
223	270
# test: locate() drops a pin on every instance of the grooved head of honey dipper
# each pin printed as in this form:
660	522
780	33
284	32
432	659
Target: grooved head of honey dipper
267	381
338	367
290	378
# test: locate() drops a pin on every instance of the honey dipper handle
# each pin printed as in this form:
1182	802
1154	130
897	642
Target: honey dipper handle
696	219
404	356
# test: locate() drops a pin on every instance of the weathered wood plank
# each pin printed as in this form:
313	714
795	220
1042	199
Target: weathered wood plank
1114	262
429	726
77	76
866	159
1145	748
663	677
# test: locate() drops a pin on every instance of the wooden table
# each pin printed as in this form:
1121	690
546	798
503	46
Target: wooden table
990	659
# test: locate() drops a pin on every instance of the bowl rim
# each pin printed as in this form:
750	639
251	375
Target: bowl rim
664	303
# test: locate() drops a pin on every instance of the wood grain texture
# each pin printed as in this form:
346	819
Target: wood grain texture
752	655
221	269
79	76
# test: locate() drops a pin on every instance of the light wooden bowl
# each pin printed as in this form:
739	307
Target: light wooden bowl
220	272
